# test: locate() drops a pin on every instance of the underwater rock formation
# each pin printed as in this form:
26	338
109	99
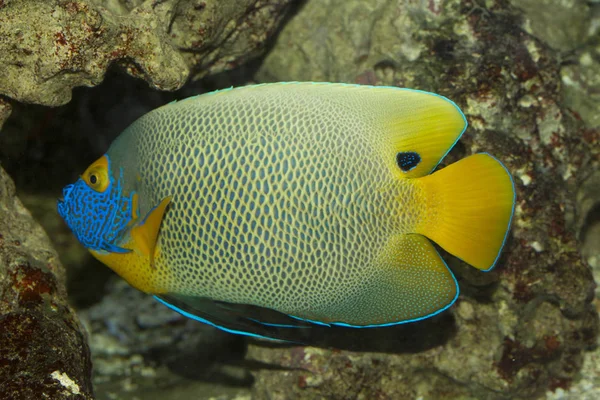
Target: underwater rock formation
581	85
5	110
564	25
50	47
521	329
44	352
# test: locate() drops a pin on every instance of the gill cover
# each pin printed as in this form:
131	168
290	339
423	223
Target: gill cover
95	208
137	266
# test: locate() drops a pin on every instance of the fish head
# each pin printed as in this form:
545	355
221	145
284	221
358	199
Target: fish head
95	208
106	221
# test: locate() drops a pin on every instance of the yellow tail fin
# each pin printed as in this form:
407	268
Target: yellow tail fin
470	208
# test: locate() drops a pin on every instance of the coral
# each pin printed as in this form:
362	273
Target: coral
50	47
44	350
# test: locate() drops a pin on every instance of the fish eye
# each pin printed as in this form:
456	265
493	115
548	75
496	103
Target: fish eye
96	176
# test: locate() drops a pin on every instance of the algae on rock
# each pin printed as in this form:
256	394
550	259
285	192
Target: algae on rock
50	47
44	348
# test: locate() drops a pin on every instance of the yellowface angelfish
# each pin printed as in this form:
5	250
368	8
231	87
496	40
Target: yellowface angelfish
303	202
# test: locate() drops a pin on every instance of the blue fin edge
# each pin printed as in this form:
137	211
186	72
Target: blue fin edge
278	325
207	322
512	214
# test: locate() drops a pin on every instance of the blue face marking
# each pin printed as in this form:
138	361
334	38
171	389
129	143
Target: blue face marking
98	219
408	160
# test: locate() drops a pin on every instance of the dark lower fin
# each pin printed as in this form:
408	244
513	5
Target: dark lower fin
240	319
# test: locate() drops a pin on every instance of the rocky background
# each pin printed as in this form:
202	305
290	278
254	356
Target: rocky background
527	75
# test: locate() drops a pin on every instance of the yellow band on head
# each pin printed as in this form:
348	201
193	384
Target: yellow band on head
97	175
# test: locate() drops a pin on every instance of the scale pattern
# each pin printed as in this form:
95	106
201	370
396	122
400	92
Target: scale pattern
279	199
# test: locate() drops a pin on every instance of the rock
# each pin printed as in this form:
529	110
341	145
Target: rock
50	47
562	24
581	87
141	348
5	110
580	76
529	321
44	350
588	211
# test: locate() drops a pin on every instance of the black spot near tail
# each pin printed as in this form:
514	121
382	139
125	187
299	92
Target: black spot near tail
407	160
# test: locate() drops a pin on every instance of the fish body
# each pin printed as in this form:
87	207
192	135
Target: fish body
307	199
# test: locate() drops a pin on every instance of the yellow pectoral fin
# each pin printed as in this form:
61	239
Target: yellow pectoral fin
135	207
144	235
137	266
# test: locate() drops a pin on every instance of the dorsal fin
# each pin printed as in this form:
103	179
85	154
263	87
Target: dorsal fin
421	124
417	128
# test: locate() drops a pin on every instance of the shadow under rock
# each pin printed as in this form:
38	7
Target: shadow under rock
218	360
592	218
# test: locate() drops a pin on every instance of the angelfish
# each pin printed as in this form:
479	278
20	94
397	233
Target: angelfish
266	207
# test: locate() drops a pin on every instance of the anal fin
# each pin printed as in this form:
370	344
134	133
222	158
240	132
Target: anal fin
411	283
241	319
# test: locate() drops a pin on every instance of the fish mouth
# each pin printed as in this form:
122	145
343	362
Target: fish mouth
67	192
62	204
63	208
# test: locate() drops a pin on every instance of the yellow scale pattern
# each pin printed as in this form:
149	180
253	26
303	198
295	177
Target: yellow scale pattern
282	200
